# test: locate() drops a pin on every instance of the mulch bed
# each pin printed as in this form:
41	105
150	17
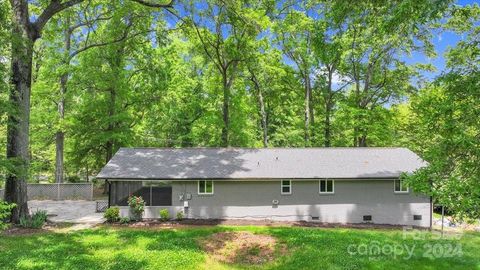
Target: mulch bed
151	223
48	227
242	247
22	231
242	222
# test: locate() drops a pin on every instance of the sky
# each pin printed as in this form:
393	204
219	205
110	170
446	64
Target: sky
442	42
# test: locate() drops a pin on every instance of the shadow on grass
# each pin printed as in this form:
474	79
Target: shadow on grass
308	248
45	251
339	249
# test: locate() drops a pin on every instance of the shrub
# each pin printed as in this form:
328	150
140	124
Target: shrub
137	204
39	218
35	221
73	179
5	212
180	215
25	221
124	220
112	214
164	215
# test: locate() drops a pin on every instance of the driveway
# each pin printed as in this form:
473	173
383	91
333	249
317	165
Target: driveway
68	211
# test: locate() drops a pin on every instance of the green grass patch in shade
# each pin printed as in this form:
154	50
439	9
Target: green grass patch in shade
307	248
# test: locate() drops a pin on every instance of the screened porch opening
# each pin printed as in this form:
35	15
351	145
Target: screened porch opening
155	193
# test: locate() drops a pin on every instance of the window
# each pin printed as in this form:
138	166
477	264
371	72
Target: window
326	187
286	187
367	218
400	186
156	183
205	187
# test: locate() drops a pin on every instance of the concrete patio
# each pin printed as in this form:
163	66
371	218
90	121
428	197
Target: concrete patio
82	212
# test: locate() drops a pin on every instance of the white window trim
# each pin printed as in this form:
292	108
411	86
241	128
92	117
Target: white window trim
289	185
401	191
326	192
205	193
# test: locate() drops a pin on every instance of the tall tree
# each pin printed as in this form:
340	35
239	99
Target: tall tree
4	75
377	35
329	48
78	28
295	34
25	33
445	119
224	30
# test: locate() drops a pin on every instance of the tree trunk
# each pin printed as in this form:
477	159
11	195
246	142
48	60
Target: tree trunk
362	141
23	38
263	114
59	150
110	129
328	110
60	135
308	109
327	128
87	172
310	104
225	111
111	125
356	128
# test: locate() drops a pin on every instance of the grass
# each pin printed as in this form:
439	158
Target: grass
307	248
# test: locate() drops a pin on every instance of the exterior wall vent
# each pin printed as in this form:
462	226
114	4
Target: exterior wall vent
315	218
367	218
417	217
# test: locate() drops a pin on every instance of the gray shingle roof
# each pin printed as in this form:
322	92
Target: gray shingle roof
266	163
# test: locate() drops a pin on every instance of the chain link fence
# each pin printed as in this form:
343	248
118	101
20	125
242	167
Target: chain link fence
101	206
58	192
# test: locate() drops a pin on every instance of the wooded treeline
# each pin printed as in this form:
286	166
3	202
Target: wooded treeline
110	74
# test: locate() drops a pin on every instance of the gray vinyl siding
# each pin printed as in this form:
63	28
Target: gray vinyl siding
253	200
352	199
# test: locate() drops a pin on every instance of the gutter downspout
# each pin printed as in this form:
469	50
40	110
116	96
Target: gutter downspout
109	192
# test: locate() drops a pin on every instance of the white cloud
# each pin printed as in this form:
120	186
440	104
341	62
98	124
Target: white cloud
337	78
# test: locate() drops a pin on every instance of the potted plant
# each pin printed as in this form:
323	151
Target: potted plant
137	206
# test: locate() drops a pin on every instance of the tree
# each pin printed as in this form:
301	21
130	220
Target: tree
25	33
295	34
110	96
181	103
446	114
79	33
4	75
329	48
262	73
225	30
376	36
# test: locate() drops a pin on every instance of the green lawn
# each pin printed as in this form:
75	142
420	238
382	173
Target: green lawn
308	248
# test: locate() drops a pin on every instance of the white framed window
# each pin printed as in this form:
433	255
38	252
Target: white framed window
205	187
399	186
286	187
326	186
